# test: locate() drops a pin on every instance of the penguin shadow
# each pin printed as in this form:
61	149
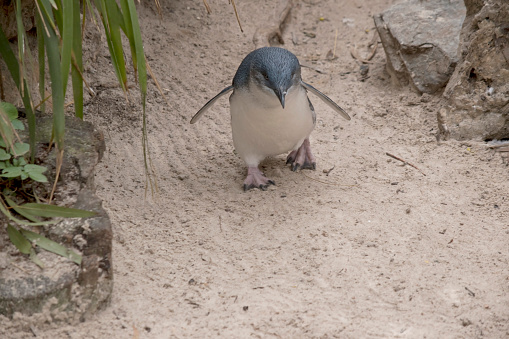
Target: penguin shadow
273	165
277	169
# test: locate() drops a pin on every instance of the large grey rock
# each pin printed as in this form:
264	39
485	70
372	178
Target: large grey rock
478	91
63	291
8	16
421	39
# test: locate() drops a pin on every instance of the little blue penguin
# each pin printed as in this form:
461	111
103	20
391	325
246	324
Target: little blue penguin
270	112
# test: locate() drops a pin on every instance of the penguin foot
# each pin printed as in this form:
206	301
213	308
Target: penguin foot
302	158
256	179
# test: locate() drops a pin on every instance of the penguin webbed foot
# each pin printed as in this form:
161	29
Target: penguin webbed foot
256	179
302	158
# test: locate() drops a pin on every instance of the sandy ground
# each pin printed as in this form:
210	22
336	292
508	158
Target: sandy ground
373	249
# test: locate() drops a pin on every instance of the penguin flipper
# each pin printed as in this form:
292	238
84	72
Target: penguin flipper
210	103
326	99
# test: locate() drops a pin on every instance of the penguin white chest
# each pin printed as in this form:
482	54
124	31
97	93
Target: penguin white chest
261	127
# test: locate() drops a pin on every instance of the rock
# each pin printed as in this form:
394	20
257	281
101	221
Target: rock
4	261
64	291
478	91
420	40
8	17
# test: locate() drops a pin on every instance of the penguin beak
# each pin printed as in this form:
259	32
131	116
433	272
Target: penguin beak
281	94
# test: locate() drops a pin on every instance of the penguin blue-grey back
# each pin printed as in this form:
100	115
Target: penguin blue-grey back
271	112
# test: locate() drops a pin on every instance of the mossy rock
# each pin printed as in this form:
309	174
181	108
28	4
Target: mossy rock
63	291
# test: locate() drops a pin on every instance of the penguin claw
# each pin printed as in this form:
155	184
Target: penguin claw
307	165
256	179
302	158
291	157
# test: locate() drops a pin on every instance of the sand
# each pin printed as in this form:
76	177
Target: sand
365	246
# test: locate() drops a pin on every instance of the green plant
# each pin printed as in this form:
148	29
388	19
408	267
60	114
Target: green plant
15	169
12	162
59	28
59	33
26	242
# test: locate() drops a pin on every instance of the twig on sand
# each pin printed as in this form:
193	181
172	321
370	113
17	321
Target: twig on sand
232	2
264	35
470	292
504	144
335	41
159	10
207	7
327	172
374	43
326	182
317	70
405	162
236	14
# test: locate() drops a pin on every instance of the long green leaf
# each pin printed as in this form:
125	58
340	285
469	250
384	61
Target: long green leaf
58	13
115	59
42	64
46	13
51	246
91	9
53	4
129	33
142	80
138	45
49	211
57	87
21	211
6	128
35	258
118	16
21	243
77	65
8	214
67	34
13	67
21	41
25	57
9	58
115	20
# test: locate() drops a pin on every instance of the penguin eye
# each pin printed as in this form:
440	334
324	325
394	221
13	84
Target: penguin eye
266	76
